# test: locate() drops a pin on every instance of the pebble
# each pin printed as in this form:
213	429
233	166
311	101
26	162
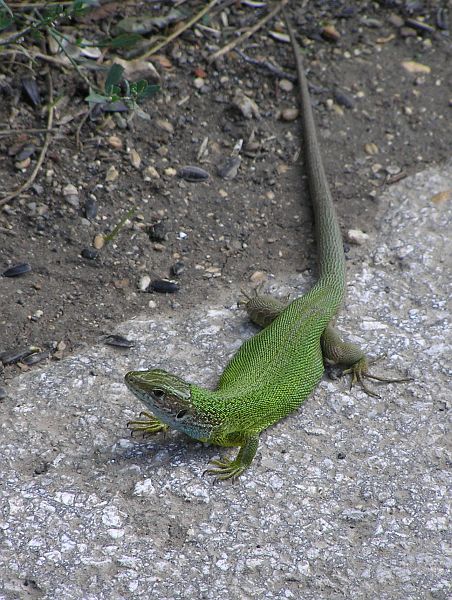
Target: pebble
371	23
414	67
198	82
70	190
330	33
286	85
112	174
98	241
90	208
121	284
157	232
245	105
393	169
177	268
343	99
22	165
396	20
229	168
89	253
407	32
165	125
27	151
258	277
144	283
371	149
135	158
357	237
114	142
150	172
289	114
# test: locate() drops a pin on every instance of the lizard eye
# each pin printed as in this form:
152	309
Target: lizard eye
158	394
181	414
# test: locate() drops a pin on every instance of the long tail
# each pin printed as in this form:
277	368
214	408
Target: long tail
328	234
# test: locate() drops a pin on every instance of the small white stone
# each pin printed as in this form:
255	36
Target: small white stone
144	488
356	236
116	534
144	283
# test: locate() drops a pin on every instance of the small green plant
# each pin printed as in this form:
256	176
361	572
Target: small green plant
34	22
118	89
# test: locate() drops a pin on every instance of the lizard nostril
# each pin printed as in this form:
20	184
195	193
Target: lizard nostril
181	413
158	394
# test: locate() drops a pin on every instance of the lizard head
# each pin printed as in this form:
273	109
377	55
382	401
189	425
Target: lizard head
170	399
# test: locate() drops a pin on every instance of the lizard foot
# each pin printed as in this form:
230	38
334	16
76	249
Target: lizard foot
360	371
149	425
227	469
245	299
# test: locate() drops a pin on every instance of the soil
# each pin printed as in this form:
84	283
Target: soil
376	121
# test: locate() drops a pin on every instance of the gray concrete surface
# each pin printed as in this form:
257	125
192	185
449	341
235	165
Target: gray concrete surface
347	497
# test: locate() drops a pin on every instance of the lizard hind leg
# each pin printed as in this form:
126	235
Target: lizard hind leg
337	351
262	309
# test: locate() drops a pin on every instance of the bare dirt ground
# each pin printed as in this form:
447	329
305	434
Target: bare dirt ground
378	118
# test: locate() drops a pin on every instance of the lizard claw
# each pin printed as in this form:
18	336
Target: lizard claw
227	469
360	371
149	425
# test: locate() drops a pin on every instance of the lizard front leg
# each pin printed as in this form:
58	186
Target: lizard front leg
228	469
149	425
337	351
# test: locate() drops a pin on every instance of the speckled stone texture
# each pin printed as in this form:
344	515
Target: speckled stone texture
346	498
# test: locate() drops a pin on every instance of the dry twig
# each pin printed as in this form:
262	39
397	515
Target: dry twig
42	154
9	132
178	32
251	31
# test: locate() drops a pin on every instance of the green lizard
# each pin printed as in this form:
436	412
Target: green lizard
274	371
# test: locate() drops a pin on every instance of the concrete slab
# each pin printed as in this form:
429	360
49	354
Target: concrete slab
347	498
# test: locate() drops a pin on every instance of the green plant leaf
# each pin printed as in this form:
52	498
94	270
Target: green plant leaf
96	98
5	20
148	91
123	40
5	7
113	77
79	7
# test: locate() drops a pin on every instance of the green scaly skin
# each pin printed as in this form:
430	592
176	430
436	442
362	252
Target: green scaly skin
277	369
